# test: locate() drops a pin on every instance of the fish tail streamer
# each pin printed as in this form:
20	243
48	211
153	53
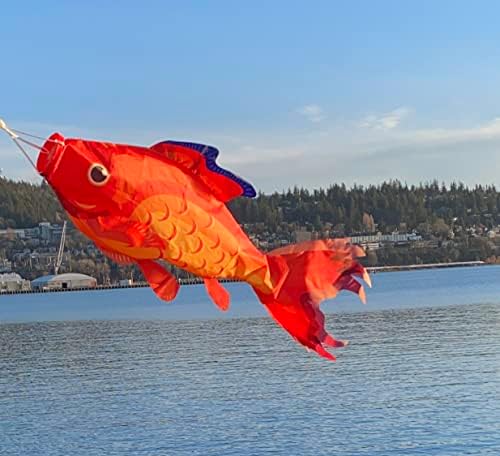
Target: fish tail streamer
304	275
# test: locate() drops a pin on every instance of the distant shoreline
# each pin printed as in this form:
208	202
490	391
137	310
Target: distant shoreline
198	281
415	267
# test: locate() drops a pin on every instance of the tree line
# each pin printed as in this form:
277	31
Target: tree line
438	212
357	208
24	204
389	205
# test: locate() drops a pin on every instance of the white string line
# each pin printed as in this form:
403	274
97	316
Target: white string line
21	148
35	146
17	140
19	132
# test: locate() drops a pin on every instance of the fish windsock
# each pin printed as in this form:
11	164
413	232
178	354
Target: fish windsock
168	202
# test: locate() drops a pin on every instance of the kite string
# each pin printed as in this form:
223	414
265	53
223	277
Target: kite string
35	146
17	140
19	132
21	148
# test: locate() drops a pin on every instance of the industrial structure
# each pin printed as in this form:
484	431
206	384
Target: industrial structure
61	250
63	282
45	233
13	282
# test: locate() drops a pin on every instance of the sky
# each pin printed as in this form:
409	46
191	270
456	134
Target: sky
293	93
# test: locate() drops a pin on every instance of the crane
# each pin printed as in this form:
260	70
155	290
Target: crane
57	265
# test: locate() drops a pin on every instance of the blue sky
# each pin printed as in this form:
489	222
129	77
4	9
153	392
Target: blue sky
292	93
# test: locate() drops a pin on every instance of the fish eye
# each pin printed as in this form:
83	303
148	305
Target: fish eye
98	175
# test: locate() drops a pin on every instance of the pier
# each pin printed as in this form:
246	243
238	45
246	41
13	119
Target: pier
198	281
412	267
186	281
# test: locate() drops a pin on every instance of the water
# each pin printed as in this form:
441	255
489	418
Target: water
117	373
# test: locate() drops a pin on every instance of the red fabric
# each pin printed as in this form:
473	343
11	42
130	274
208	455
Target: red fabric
219	295
161	281
165	203
313	275
224	188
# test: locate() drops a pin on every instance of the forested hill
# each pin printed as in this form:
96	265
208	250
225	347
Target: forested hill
390	204
24	205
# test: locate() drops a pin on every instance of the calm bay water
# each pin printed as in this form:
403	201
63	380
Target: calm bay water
119	373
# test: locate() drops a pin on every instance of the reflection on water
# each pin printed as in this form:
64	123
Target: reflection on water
413	381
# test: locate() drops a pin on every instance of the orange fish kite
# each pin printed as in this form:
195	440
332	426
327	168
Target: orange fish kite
168	202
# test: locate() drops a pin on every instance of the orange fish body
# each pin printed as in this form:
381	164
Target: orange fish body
168	202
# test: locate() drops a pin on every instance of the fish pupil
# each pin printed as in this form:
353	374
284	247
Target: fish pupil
98	174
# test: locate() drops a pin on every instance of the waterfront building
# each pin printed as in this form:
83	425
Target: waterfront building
393	237
64	282
45	232
13	282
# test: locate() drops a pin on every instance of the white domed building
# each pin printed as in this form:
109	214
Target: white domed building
63	282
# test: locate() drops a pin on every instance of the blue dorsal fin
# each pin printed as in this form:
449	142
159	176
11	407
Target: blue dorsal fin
211	173
201	148
211	153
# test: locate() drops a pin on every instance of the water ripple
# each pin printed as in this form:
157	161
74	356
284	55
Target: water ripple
412	381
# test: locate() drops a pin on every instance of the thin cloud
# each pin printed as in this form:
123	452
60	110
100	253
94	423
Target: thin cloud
429	137
346	152
312	112
489	130
387	121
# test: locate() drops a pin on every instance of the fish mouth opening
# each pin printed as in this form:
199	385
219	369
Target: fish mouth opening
50	154
86	207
